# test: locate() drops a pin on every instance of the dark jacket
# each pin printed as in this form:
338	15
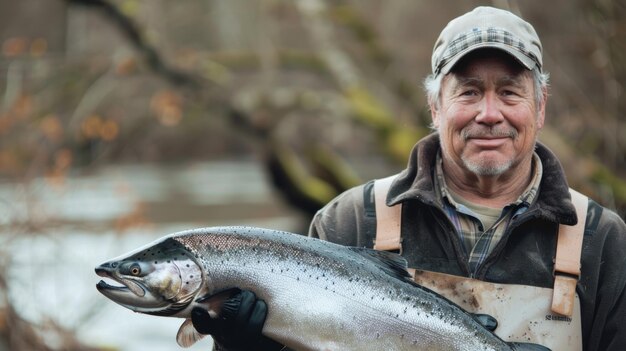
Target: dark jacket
525	253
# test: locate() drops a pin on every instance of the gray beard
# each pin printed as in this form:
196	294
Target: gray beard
486	170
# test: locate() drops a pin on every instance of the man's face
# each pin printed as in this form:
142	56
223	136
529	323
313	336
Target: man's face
487	117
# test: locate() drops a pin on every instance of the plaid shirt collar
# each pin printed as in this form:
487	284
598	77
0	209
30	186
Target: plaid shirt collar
477	240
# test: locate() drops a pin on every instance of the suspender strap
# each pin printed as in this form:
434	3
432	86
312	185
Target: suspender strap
388	219
567	260
568	252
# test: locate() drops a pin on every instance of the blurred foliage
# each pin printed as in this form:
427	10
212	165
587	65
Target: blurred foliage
17	333
138	81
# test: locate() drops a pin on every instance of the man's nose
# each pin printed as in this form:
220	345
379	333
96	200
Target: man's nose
490	112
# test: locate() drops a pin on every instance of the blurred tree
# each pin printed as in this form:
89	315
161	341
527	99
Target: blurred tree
313	85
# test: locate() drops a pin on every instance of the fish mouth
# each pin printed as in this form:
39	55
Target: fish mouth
131	294
102	285
128	286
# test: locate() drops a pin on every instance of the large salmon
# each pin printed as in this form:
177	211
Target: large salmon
320	296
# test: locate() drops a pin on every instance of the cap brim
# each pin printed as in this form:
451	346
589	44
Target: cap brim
524	60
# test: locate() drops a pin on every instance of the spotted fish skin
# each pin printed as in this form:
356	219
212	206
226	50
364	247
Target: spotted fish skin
320	295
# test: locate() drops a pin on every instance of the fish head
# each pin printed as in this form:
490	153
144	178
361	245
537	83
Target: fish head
160	279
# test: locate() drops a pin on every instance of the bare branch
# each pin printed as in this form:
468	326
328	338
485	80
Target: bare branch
130	31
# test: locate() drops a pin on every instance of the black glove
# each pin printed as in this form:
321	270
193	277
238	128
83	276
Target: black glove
239	325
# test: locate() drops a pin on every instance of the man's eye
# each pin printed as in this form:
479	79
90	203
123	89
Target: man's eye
509	92
469	92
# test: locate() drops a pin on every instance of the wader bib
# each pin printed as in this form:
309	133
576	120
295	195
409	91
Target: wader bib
549	317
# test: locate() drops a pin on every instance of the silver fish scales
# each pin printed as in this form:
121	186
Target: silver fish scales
320	296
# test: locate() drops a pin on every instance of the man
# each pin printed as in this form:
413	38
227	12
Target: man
482	204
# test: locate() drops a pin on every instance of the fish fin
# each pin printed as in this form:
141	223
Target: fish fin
188	335
522	346
218	303
391	263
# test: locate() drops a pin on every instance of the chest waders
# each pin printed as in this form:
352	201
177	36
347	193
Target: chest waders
549	317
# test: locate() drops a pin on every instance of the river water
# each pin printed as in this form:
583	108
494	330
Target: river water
55	232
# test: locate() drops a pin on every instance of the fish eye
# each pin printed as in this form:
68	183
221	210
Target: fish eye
135	269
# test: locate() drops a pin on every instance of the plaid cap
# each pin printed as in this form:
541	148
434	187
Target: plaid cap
486	27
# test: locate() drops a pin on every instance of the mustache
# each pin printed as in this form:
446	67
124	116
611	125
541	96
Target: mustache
488	132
